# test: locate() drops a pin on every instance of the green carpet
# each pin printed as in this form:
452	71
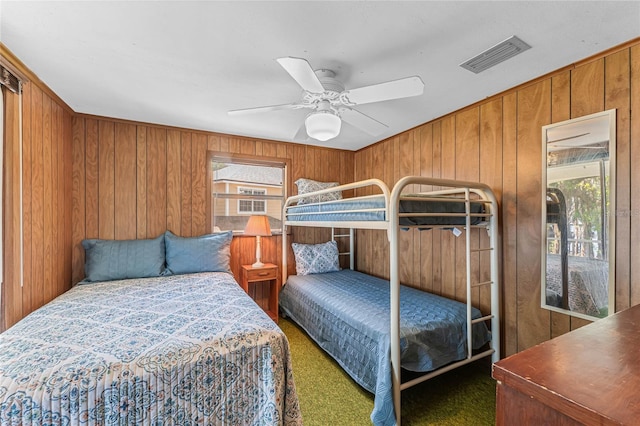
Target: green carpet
328	396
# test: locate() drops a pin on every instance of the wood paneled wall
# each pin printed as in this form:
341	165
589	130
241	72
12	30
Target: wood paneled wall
46	198
88	177
498	141
133	180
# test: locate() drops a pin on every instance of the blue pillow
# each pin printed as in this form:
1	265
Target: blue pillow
316	258
107	260
206	253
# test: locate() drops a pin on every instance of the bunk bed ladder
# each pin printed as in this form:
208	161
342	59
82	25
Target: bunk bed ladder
491	283
467	209
470	284
351	252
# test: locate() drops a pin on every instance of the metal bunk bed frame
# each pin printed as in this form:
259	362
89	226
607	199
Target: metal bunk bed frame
459	191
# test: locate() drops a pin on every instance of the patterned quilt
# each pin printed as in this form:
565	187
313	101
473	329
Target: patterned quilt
180	350
347	314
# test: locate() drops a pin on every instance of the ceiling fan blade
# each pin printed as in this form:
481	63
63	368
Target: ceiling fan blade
403	88
362	121
266	109
302	72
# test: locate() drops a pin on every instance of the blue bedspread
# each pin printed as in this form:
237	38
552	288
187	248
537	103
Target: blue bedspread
179	350
347	314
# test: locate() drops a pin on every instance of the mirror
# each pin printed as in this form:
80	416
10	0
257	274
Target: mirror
577	204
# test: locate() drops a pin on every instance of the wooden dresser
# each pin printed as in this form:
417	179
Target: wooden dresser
590	376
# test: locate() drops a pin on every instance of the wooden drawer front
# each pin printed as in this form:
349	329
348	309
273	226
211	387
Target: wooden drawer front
262	274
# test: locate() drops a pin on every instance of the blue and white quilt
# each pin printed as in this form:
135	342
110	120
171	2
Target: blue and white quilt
372	208
180	350
347	314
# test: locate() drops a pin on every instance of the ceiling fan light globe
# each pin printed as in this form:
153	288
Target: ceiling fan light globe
323	125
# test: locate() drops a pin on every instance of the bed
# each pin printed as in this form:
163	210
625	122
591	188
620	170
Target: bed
374	328
179	349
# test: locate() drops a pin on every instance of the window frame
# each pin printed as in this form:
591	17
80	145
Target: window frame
252	160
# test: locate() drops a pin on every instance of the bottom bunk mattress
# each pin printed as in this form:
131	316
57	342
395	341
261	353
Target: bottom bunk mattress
178	350
347	314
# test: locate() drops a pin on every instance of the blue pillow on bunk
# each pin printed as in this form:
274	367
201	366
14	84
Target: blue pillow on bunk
316	258
206	253
107	260
307	185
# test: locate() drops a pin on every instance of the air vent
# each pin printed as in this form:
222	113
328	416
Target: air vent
498	53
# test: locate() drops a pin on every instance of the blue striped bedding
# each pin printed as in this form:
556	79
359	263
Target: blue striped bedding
347	314
342	210
179	350
349	209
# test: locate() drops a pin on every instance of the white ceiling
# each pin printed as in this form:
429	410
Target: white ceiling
186	64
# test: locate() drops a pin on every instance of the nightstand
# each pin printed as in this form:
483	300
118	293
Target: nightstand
268	276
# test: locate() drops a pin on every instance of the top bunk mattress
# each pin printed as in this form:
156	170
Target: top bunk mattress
372	208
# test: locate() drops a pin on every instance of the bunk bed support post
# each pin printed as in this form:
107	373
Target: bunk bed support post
352	246
285	252
467	209
394	282
495	277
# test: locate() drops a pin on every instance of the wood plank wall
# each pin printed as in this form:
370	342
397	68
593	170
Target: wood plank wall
46	202
134	180
119	179
498	141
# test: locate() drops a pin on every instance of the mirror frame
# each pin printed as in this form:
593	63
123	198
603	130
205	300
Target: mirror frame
610	213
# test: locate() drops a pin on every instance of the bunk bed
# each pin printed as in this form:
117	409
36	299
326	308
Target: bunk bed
185	348
381	334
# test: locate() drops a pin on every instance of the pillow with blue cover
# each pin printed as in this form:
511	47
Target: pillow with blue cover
107	260
308	185
316	258
205	253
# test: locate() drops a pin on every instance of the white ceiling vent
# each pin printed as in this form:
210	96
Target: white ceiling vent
496	54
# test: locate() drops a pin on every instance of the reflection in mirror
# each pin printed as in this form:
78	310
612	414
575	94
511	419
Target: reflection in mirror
578	201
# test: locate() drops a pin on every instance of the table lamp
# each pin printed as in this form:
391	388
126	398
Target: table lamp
258	226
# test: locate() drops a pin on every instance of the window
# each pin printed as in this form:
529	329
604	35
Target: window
252	206
243	186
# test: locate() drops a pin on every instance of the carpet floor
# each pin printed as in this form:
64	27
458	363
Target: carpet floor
328	396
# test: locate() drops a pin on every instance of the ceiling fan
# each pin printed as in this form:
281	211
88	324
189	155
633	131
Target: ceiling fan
330	103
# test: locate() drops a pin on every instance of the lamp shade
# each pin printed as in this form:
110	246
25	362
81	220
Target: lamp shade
258	226
323	125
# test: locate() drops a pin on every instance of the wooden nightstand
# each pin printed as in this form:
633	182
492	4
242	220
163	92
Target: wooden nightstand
266	298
